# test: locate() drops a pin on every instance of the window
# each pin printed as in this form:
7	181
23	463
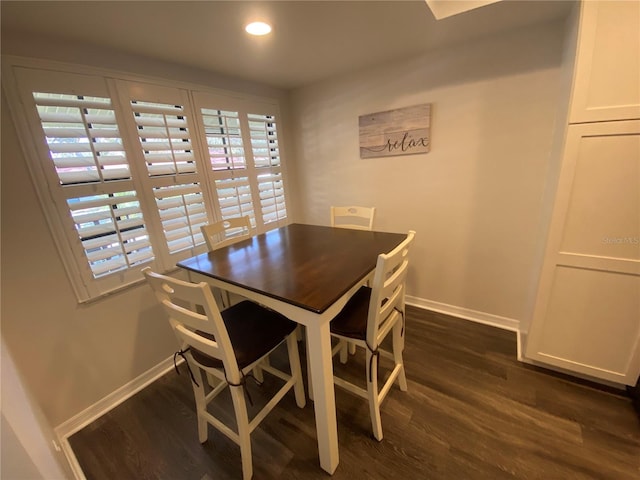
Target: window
86	151
128	172
244	158
162	120
228	163
266	157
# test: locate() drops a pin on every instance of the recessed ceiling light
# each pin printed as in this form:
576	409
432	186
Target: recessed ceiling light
258	28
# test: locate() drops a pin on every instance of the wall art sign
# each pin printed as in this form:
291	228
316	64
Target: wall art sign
403	131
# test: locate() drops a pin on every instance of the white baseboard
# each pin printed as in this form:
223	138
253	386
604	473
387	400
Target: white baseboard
522	341
506	324
460	312
102	406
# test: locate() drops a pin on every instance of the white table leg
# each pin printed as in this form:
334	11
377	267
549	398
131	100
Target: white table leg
319	352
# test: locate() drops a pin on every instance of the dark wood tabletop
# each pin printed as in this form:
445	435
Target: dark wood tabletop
307	266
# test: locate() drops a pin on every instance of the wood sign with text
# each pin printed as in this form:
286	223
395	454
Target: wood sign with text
403	131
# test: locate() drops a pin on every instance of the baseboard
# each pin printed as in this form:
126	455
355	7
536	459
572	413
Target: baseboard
468	314
577	376
522	341
102	406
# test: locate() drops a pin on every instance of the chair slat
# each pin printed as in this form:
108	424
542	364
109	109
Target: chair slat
226	232
357	218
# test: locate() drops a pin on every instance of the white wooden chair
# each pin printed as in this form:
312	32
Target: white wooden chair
368	318
227	345
223	233
226	232
359	218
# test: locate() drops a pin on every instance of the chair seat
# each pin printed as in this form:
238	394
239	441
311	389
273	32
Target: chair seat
351	322
253	331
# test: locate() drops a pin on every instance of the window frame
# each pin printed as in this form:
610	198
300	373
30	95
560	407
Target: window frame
121	87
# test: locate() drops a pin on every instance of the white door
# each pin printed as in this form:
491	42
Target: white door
587	316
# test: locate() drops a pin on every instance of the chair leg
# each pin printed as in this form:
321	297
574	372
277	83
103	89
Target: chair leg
344	351
244	435
218	295
352	348
212	380
296	370
372	394
201	403
398	347
300	333
258	374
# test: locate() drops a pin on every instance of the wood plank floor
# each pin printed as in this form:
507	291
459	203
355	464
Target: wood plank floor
472	411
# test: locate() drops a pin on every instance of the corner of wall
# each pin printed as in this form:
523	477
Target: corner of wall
32	434
570	46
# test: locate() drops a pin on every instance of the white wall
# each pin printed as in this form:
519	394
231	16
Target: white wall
27	451
58	49
475	199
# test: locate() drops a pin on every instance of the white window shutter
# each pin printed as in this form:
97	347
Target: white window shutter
224	139
128	172
272	201
182	212
86	151
264	140
112	231
244	159
266	157
83	138
168	150
234	198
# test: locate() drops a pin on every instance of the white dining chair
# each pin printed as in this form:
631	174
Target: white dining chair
367	318
358	218
226	232
222	233
227	344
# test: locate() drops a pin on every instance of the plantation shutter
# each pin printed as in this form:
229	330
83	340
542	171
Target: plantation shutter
83	138
272	202
182	213
127	172
171	170
266	157
112	231
224	139
234	198
244	159
227	162
82	155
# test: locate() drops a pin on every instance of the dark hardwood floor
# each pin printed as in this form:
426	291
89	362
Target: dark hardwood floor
472	411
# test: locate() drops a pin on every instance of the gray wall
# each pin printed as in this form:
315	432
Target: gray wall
475	199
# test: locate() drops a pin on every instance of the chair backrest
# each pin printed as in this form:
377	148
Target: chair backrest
358	218
180	300
388	290
226	232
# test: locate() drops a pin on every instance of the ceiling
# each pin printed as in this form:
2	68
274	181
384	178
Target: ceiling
311	40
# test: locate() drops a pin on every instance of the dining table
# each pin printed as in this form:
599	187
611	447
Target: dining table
307	273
